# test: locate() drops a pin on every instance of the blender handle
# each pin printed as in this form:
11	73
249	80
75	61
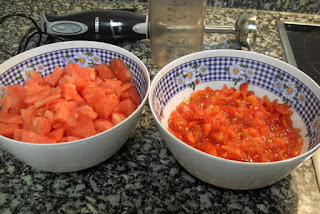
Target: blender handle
97	25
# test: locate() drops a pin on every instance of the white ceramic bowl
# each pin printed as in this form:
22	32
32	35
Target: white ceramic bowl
267	76
87	152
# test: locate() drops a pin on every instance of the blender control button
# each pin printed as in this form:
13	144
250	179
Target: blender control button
136	28
66	28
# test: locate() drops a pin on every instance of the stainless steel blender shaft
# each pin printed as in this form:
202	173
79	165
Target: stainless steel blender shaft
245	30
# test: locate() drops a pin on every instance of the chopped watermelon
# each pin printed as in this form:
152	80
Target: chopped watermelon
17	94
105	106
33	137
68	104
102	124
105	71
121	70
117	118
8	129
53	78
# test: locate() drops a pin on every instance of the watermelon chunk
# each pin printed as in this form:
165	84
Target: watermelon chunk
53	78
126	107
117	118
35	79
105	71
69	92
102	124
105	106
88	111
121	70
17	94
33	137
92	95
8	129
40	125
57	134
6	103
83	127
11	118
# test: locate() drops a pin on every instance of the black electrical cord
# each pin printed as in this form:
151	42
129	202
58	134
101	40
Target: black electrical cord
25	40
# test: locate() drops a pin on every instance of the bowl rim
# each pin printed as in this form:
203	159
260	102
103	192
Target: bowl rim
75	44
240	54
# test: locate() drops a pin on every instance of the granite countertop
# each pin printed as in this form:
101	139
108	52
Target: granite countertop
143	177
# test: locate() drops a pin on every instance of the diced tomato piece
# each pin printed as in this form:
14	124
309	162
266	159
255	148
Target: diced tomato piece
102	124
190	139
105	71
121	70
283	109
200	114
105	105
206	129
33	137
117	118
233	150
185	110
53	78
210	149
227	91
8	129
179	123
244	89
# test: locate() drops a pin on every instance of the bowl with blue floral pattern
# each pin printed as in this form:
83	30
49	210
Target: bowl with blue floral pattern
266	76
81	153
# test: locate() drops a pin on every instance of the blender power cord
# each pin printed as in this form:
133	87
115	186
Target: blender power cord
25	40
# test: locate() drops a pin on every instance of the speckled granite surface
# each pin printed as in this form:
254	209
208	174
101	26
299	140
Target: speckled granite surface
297	6
143	177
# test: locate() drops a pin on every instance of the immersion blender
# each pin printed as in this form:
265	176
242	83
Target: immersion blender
169	38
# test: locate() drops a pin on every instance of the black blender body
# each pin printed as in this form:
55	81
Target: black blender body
110	26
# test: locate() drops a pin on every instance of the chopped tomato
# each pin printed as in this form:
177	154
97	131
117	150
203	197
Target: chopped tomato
237	125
